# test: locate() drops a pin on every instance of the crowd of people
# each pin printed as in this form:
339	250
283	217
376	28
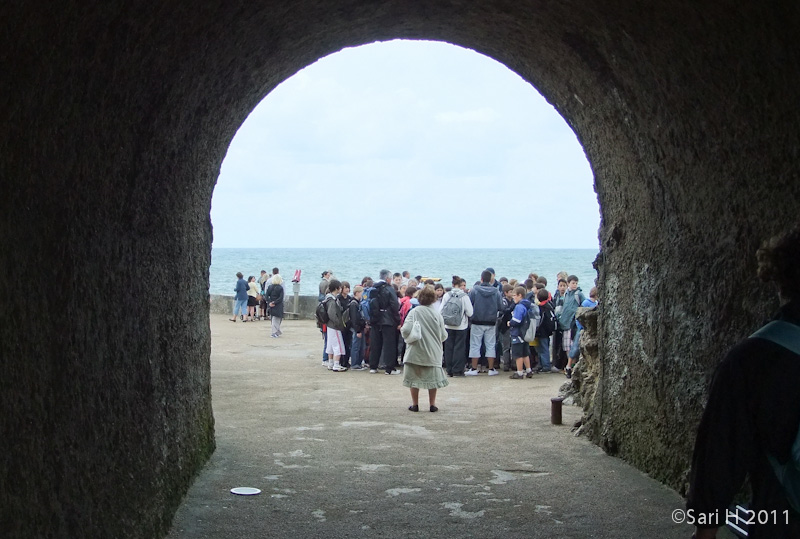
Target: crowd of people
430	329
496	324
260	300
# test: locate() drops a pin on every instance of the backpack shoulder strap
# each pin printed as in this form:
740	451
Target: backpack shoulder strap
786	335
782	333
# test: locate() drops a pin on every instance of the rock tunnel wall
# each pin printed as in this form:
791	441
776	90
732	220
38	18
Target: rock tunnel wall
116	118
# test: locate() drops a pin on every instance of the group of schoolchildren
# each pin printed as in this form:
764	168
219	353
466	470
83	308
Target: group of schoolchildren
497	318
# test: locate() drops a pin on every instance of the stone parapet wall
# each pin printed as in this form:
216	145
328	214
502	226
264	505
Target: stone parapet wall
219	304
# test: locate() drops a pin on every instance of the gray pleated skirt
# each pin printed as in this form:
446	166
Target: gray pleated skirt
422	377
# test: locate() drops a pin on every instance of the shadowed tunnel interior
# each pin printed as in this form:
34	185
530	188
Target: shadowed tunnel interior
116	119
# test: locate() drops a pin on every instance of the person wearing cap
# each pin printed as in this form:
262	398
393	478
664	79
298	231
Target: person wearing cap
487	302
494	282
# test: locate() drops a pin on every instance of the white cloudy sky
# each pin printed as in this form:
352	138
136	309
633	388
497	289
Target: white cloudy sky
375	146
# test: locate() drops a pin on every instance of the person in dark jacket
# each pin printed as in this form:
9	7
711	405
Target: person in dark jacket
546	328
486	304
753	413
333	329
503	335
557	353
518	325
274	298
384	324
358	327
345	299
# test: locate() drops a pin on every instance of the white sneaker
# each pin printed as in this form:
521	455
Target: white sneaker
373	371
471	372
338	368
493	372
325	364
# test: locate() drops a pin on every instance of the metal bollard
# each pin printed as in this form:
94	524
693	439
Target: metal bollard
296	292
555	410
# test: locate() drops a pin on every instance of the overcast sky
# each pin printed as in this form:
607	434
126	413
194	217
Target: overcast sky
405	143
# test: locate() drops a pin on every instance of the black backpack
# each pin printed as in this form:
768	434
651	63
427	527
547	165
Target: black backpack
378	302
346	313
322	313
355	316
506	314
548	323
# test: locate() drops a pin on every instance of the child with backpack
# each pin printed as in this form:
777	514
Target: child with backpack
345	299
559	355
519	323
331	316
547	326
573	298
529	336
456	310
503	334
358	325
575	349
405	302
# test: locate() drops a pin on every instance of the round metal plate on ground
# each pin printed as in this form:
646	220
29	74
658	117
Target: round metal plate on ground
245	491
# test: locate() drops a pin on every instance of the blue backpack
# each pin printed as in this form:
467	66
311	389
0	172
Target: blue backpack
365	304
788	336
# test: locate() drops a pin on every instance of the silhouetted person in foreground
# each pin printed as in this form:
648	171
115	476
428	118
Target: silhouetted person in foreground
753	412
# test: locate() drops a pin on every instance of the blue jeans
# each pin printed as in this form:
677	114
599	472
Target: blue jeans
357	350
575	349
240	306
543	350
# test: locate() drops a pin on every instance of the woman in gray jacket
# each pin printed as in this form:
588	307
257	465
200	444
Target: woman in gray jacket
423	358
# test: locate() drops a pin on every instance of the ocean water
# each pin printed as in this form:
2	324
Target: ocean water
352	265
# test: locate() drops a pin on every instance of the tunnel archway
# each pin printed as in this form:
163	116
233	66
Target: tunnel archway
117	120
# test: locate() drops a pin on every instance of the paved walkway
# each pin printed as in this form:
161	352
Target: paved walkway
339	455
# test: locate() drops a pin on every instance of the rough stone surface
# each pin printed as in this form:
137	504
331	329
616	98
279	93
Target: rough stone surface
338	455
116	117
585	373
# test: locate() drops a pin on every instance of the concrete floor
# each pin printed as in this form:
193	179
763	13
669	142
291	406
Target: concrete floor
339	455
